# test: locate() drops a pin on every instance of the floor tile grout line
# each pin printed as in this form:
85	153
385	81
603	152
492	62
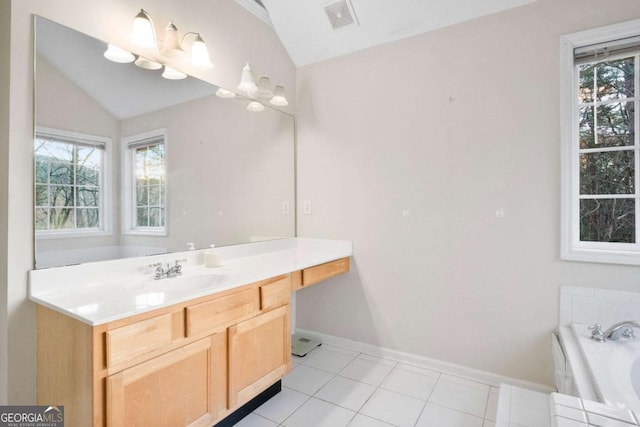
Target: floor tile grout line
457	410
428	397
296	410
394	365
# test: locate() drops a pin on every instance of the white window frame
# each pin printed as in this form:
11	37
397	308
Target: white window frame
129	186
571	247
106	190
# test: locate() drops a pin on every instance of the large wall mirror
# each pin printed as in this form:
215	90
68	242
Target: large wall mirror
128	163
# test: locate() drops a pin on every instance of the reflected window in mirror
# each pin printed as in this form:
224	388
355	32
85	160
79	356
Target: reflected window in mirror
146	189
69	183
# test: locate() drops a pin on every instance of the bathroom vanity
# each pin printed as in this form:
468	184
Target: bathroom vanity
136	351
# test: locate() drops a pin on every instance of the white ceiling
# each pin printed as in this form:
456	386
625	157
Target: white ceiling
306	33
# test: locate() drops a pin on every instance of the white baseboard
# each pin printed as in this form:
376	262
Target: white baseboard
425	362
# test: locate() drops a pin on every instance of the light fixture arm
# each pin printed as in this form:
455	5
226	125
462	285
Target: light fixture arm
190	33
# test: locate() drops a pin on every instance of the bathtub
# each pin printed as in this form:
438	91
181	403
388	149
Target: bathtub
612	366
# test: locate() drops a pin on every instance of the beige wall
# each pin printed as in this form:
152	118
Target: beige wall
233	36
450	126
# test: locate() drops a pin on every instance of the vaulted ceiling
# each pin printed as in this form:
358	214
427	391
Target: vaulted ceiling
306	32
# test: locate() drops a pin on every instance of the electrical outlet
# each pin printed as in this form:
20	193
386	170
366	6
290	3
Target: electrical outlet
285	207
306	207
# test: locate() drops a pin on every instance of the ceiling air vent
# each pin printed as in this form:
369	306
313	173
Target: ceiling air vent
340	14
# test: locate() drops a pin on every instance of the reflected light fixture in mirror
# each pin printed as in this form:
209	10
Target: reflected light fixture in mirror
225	93
247	85
173	74
279	98
264	89
255	107
147	64
116	54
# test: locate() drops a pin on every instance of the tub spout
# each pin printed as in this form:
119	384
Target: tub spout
622	329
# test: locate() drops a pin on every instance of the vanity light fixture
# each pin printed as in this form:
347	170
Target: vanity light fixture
143	35
200	53
172	47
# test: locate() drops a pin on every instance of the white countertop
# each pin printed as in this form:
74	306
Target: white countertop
101	292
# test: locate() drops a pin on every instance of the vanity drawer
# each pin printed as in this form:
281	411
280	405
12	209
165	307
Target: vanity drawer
318	273
128	342
211	316
276	293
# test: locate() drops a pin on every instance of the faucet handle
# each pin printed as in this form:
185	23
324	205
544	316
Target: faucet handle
159	272
628	333
178	265
596	332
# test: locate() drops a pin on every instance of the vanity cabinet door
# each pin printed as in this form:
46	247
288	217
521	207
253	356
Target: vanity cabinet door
185	387
259	354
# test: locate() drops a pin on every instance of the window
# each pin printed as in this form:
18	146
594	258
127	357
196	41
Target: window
600	147
146	211
69	183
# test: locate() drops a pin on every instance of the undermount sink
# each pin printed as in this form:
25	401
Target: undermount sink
192	281
186	282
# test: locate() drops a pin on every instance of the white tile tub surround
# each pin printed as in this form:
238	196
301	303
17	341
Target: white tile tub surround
593	305
568	411
99	292
518	407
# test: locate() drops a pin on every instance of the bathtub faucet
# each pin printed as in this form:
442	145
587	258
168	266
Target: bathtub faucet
622	329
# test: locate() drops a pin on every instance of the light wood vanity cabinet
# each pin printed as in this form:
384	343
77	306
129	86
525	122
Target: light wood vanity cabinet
318	273
181	387
190	364
259	354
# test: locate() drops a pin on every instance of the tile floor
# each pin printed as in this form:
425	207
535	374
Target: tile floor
335	387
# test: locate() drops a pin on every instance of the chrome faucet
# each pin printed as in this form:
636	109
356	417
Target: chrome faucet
596	332
622	329
170	271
